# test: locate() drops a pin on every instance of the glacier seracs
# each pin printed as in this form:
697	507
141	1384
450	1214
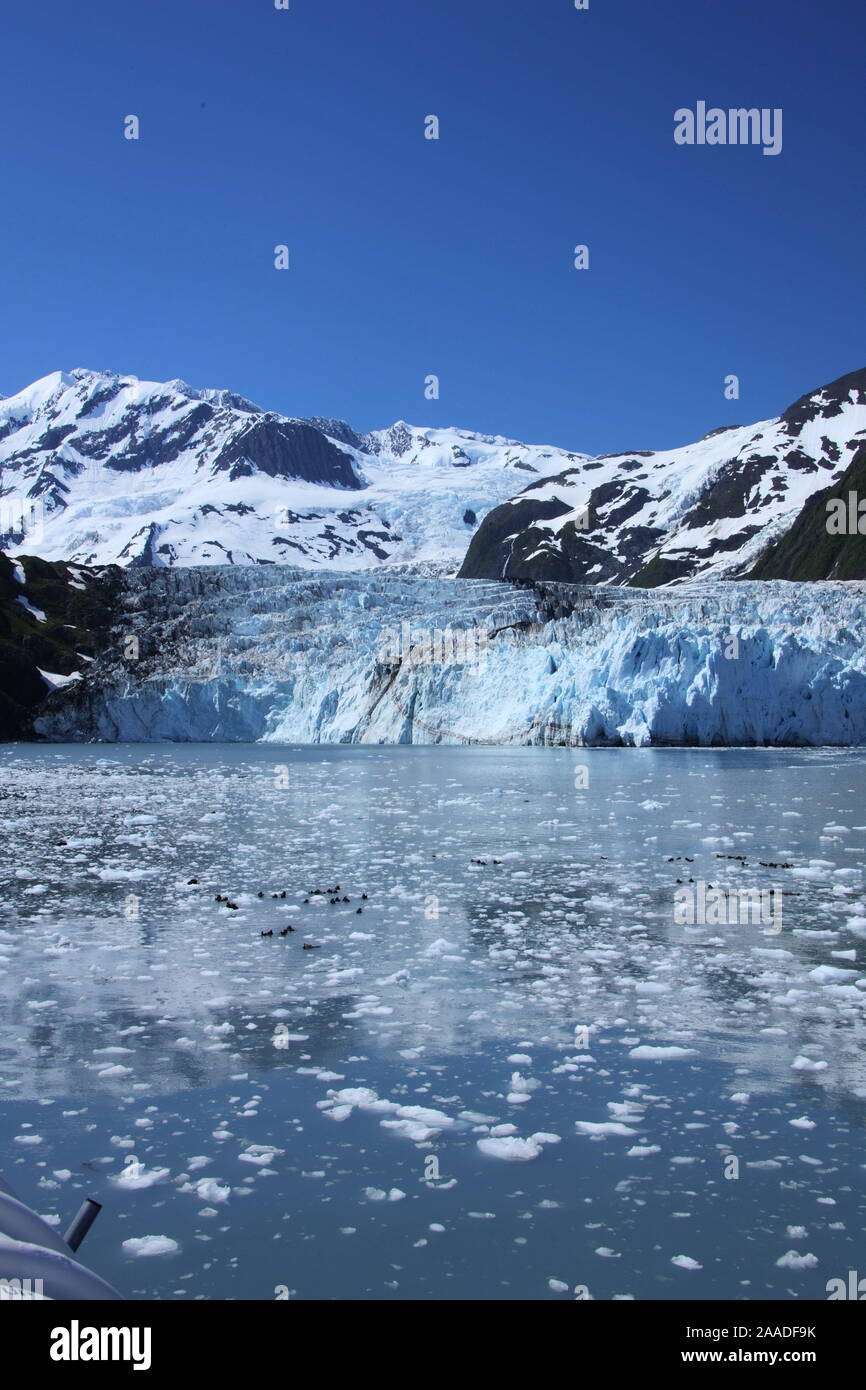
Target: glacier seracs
277	655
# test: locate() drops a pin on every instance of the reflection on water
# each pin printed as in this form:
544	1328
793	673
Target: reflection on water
510	901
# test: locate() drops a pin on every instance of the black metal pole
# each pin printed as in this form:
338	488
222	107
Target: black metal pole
82	1222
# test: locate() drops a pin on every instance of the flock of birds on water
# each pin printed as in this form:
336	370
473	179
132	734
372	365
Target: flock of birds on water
331	894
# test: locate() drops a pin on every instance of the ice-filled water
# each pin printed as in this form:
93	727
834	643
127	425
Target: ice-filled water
507	1079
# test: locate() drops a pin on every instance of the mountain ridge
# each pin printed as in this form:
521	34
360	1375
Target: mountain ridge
135	472
718	505
162	473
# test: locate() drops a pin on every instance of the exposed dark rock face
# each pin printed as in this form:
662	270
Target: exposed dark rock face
289	449
809	550
74	608
489	555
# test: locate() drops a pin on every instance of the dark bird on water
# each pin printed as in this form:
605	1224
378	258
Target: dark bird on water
268	933
308	946
286	931
358	911
191	880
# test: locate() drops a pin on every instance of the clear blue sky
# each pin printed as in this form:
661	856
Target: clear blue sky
411	257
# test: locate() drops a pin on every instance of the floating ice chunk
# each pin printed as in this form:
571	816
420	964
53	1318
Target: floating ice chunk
521	1088
791	1260
604	1127
123	875
260	1154
685	1262
209	1190
151	1245
807	1064
411	1129
340	1104
646	1053
826	974
423	1115
136	1176
515	1149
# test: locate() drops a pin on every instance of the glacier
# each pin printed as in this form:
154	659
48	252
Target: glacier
277	655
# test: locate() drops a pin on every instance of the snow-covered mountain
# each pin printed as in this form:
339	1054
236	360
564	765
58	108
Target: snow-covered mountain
650	519
283	656
145	473
136	472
